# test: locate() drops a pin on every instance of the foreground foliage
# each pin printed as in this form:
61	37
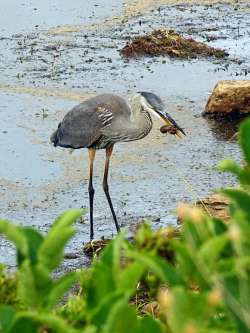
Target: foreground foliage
196	280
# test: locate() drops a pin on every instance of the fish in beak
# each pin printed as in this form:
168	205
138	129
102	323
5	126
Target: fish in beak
154	104
171	126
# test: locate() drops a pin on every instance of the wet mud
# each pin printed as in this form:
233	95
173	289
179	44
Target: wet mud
43	75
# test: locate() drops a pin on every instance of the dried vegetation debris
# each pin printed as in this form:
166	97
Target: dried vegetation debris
94	247
214	205
157	241
169	42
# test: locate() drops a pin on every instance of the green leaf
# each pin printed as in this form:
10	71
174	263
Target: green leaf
26	325
236	291
233	266
89	329
188	264
241	198
30	322
7	315
51	250
101	312
194	234
130	276
216	226
245	139
34	240
8	287
27	290
43	280
188	311
111	254
149	325
34	284
59	288
15	235
243	327
143	235
99	285
55	323
185	258
227	266
210	251
158	266
230	166
105	275
121	318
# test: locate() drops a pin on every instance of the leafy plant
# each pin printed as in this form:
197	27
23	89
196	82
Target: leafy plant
197	278
38	292
8	287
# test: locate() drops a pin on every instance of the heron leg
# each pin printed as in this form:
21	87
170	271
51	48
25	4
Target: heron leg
109	151
91	190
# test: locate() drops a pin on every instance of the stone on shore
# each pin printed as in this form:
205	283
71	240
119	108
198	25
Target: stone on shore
229	98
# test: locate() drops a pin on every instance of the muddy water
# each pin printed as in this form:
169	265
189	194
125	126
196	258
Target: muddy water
44	75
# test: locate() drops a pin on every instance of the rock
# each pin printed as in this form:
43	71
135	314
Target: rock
229	98
71	255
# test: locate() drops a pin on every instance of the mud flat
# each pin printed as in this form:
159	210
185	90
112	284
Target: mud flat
44	75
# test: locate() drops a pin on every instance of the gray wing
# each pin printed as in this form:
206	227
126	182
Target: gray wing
83	125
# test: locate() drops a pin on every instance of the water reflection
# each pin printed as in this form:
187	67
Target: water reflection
225	129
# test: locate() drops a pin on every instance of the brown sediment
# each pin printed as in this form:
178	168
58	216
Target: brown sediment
130	9
43	92
7	188
169	42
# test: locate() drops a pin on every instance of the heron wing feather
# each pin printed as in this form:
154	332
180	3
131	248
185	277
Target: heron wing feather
86	123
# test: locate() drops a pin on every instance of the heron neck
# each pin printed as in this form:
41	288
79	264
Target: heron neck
142	121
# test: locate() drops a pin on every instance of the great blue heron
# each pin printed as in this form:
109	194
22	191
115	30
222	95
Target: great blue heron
100	122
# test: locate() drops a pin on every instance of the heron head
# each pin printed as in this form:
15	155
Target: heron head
153	103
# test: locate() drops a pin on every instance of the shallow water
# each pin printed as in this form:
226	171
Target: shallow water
148	177
19	16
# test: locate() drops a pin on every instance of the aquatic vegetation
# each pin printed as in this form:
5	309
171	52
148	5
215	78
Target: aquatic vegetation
169	42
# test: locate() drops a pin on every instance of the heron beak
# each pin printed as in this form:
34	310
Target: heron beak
171	122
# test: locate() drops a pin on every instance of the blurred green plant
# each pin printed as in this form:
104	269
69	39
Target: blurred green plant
8	287
196	280
37	292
